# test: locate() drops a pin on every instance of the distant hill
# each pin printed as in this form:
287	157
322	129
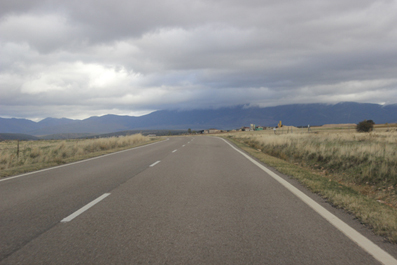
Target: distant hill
222	118
143	132
65	136
17	136
16	125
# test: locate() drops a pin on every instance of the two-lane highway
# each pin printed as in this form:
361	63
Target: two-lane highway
34	203
181	201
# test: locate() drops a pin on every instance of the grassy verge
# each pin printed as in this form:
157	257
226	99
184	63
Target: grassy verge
381	218
38	155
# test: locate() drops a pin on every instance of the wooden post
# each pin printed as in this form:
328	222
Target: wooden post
18	151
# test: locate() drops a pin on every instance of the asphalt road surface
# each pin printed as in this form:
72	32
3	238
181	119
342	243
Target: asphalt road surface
181	201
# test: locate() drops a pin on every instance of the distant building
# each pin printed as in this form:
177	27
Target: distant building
214	131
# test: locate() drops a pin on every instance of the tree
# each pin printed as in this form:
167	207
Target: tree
189	131
365	126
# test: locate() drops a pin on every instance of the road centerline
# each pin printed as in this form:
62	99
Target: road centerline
155	163
83	209
174	150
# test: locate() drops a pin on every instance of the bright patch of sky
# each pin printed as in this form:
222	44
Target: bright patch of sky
84	58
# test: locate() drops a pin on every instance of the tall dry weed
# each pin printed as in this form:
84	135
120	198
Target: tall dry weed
36	152
365	158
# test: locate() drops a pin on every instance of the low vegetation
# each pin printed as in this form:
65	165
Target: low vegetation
355	171
365	126
33	155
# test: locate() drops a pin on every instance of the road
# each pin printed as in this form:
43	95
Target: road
181	201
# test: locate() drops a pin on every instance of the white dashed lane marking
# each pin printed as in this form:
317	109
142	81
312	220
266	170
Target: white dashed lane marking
85	208
155	163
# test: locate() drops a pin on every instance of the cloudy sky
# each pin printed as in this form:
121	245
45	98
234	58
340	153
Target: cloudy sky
80	58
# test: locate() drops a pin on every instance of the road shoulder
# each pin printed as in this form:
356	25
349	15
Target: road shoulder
321	191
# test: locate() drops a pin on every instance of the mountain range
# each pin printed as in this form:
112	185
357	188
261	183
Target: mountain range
222	118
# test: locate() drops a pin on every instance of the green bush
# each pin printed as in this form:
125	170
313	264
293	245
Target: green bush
365	126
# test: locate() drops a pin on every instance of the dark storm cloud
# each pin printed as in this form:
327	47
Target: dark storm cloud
82	58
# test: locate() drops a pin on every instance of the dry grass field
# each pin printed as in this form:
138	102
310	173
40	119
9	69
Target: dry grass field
367	161
355	171
34	155
366	158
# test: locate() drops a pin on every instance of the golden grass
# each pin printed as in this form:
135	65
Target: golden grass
365	161
375	152
35	155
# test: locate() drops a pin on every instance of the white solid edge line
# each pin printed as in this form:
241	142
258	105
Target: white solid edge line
77	162
155	163
366	244
83	209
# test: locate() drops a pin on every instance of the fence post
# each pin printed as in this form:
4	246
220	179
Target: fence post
17	150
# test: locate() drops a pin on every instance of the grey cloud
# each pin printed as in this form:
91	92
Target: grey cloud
119	56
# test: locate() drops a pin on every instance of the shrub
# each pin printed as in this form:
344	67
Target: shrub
365	126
